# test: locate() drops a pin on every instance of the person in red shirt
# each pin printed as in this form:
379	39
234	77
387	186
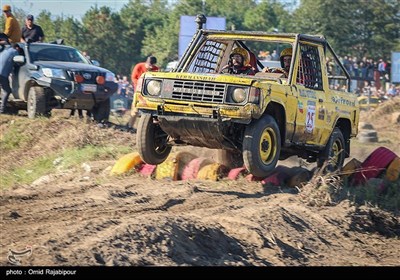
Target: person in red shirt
138	70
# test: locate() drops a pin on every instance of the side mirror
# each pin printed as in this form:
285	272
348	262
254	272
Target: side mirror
19	59
95	62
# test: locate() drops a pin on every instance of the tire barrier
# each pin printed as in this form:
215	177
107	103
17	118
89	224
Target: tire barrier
126	163
236	172
382	164
393	171
368	136
367	133
373	165
147	169
192	169
213	172
172	167
350	168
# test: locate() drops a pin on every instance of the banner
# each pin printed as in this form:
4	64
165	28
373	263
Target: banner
188	28
395	74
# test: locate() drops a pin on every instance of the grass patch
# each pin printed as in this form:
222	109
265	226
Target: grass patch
73	156
330	189
69	158
379	193
28	173
14	138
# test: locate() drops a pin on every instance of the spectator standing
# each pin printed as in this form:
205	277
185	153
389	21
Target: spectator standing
274	55
138	70
32	32
123	86
122	93
80	114
6	66
12	28
392	91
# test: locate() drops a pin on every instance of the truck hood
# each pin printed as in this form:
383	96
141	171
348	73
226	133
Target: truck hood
213	78
72	66
216	78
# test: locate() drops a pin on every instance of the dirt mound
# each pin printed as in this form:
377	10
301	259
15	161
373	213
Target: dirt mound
384	109
82	216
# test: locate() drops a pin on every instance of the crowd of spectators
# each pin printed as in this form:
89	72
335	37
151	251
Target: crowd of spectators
370	77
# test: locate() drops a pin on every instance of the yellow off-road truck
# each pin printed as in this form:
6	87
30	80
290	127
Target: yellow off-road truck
253	119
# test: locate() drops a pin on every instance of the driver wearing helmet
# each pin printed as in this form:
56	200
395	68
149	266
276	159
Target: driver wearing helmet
286	59
239	63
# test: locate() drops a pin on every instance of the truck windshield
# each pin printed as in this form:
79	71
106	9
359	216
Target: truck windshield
55	53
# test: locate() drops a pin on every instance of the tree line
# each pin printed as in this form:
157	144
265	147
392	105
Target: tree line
121	39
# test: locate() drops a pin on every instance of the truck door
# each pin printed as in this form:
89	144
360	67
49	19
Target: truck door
311	110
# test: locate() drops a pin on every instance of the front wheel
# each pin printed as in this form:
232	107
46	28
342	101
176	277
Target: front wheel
261	146
151	141
334	152
36	102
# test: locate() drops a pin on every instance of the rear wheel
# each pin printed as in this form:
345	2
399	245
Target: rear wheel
334	152
151	141
261	146
36	102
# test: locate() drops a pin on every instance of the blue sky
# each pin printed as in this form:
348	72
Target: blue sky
75	8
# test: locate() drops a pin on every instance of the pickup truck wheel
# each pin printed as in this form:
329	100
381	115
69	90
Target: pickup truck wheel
151	141
261	146
36	102
101	111
334	152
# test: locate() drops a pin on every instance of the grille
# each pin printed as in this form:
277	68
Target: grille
93	75
198	91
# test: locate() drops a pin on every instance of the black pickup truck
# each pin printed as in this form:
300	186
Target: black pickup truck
51	76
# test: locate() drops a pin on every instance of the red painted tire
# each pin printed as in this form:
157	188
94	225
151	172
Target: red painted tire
190	171
273	180
235	172
374	165
147	169
252	178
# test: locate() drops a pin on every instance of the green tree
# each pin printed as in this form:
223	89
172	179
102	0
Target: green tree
233	11
144	21
103	39
266	16
358	27
269	16
48	26
163	42
71	31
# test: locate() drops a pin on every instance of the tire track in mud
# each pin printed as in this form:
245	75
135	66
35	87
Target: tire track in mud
138	221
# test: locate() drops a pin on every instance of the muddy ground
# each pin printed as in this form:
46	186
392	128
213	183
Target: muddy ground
84	217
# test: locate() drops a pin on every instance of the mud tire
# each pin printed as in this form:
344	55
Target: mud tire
261	146
151	141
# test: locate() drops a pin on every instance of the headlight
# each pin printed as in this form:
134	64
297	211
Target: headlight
110	77
153	87
54	73
239	95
